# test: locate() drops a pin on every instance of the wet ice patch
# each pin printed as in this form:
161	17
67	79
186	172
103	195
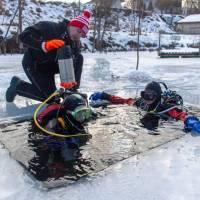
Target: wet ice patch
139	76
117	134
102	63
101	69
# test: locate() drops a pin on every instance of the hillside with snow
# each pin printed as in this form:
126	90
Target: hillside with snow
35	11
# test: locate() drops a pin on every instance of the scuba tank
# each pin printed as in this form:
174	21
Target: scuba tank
66	67
170	96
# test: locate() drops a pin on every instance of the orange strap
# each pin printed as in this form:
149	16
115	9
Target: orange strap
68	85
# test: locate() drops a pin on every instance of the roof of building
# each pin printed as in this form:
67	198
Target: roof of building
190	19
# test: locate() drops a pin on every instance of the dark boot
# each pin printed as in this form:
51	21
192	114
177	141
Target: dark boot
11	91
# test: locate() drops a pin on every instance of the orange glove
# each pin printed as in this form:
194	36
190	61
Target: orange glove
52	44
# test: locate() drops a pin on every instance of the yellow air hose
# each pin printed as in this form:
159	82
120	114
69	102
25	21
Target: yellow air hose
50	132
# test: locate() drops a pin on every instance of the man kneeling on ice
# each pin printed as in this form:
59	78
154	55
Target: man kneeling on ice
42	42
156	103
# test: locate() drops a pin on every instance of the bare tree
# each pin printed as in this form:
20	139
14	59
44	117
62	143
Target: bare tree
74	7
79	7
94	31
101	15
2	11
150	6
169	5
139	8
1	7
20	21
191	6
3	39
20	3
131	4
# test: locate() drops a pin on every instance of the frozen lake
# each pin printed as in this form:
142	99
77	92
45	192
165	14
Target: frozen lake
181	75
167	172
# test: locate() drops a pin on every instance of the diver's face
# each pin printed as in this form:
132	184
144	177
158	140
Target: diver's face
75	33
149	96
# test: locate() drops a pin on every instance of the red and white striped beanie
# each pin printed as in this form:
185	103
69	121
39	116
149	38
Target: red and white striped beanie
82	21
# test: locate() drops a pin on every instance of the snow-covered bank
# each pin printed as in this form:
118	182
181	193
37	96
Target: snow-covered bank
117	35
35	11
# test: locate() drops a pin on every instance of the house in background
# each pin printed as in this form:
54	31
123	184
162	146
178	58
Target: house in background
189	25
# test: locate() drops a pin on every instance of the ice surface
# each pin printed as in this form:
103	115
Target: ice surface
168	172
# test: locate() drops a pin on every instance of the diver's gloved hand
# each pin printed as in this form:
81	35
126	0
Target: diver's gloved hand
99	96
192	123
52	44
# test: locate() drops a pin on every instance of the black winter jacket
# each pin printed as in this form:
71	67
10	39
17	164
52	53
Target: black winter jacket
32	38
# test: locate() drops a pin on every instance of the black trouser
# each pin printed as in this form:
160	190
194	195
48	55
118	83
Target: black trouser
43	83
78	67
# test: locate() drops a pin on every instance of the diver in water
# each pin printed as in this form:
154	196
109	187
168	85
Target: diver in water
156	103
67	117
59	156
